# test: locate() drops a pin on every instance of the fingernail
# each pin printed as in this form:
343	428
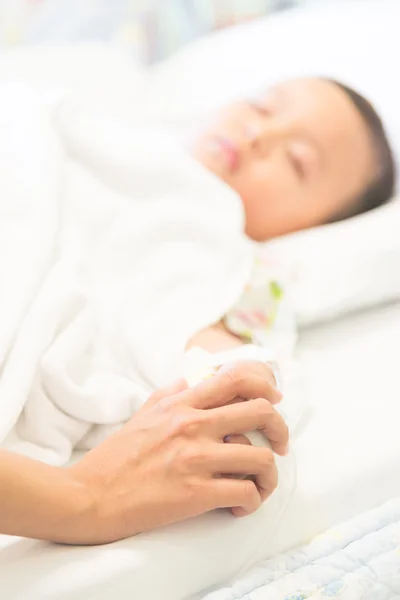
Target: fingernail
286	450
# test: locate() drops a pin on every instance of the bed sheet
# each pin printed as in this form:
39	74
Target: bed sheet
348	462
349	456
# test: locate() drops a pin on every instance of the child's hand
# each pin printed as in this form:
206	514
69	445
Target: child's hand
265	371
200	366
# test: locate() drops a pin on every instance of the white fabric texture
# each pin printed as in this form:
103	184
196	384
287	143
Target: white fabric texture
357	560
117	249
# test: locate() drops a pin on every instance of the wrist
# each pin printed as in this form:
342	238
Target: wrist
95	516
43	502
70	509
84	524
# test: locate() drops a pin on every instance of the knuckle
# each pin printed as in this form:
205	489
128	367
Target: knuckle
268	458
163	403
192	458
237	375
185	461
264	407
250	491
187	423
191	491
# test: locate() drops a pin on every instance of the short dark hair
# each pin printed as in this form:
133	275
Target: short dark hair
382	187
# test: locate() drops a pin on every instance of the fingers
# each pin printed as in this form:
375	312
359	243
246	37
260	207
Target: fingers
239	511
250	416
241	460
245	461
178	386
262	369
242	495
237	439
226	385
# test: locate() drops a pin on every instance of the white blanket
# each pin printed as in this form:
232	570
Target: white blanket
115	249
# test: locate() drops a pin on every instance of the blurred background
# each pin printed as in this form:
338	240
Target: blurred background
150	29
200	54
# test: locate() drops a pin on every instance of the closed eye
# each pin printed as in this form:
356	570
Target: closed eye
260	108
297	165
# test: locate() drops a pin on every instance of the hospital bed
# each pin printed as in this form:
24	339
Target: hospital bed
348	455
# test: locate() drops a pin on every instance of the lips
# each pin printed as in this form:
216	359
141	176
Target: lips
229	152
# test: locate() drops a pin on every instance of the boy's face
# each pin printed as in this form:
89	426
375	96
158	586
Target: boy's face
297	156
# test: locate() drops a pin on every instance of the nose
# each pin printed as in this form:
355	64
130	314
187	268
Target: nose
266	135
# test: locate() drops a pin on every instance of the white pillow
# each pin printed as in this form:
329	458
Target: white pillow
336	269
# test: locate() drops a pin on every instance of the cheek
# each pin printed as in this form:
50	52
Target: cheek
231	122
275	202
264	188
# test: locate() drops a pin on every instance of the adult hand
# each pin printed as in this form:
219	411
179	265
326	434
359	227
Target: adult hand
168	463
